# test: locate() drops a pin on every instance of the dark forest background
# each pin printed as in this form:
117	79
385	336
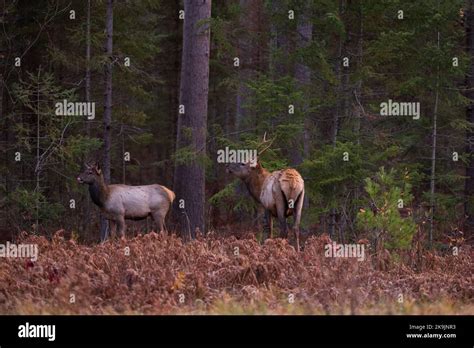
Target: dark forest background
310	74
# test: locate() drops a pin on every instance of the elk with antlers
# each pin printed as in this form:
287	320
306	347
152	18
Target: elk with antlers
281	192
120	202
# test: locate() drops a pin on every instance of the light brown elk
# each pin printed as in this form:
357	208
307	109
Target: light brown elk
120	202
281	193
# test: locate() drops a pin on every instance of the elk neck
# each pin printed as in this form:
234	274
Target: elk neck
255	182
99	191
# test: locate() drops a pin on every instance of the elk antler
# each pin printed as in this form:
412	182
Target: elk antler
265	141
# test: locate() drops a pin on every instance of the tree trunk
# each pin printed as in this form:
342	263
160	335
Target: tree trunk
189	179
337	115
304	32
279	43
109	25
88	61
248	53
434	139
1	97
469	183
358	109
88	99
37	171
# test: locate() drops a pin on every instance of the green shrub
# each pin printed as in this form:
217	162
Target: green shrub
383	220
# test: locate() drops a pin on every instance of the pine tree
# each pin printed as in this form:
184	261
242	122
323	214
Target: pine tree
189	179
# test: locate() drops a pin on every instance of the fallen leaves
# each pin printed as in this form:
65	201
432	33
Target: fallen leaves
162	275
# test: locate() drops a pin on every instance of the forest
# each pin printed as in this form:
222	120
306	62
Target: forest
362	111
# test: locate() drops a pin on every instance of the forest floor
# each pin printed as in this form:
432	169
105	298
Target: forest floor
159	274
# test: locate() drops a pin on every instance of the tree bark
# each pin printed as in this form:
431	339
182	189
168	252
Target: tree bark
358	108
250	47
469	182
1	97
340	104
88	60
189	179
282	42
109	25
304	34
108	90
88	99
434	139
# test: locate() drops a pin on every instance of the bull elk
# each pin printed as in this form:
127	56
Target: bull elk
120	202
281	193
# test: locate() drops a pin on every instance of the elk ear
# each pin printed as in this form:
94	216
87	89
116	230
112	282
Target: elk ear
97	168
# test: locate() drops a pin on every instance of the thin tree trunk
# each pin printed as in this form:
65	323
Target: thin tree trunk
88	98
107	103
189	184
337	115
280	43
37	189
1	97
4	208
123	154
249	49
108	90
358	109
304	32
433	152
469	183
88	61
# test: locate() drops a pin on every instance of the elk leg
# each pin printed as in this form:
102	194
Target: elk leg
113	228
159	218
283	228
267	225
281	207
297	219
283	225
120	226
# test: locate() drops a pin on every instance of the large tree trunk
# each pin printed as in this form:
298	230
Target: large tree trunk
469	183
109	25
189	179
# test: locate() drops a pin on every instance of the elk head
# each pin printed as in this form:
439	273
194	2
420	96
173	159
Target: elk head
245	170
91	174
242	170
